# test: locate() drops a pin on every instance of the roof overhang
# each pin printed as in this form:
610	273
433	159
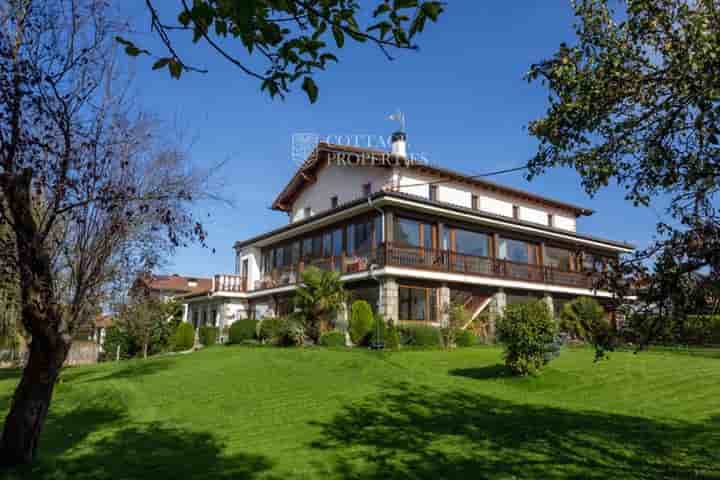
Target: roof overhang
412	202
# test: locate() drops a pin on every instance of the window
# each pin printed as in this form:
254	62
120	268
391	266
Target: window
412	233
307	248
213	318
307	212
367	189
317	246
327	245
337	242
517	251
295	253
378	231
350	238
363	236
559	258
470	243
516	212
551	220
433	192
474	202
195	318
591	263
334	201
417	304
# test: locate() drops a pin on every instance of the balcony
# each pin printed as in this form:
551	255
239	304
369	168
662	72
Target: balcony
433	260
229	284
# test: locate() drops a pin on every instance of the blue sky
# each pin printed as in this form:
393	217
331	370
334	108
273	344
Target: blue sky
464	96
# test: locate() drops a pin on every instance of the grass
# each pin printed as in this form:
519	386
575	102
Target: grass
244	412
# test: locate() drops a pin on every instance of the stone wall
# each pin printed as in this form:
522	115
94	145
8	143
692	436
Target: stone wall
83	353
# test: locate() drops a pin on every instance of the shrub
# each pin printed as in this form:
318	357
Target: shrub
270	329
208	335
117	337
184	337
584	319
465	338
529	334
282	331
161	333
243	330
333	338
387	334
361	322
420	336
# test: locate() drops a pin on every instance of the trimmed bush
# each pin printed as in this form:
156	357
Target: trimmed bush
284	332
420	336
243	330
333	338
184	337
465	338
270	329
529	334
117	337
208	335
361	322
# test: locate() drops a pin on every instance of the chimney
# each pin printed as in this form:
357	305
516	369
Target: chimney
399	144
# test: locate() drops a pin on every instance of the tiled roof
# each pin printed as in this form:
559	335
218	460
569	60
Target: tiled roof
176	284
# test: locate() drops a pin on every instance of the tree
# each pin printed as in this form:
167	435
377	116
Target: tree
286	41
318	298
144	323
459	318
584	319
92	194
636	100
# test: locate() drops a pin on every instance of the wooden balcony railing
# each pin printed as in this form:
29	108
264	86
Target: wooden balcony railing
230	283
430	259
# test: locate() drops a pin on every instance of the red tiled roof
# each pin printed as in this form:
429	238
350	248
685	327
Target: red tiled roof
176	284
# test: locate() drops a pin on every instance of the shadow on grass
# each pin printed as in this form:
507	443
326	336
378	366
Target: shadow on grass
482	373
122	370
96	444
418	432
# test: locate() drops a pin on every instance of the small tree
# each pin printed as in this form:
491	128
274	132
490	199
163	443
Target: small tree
529	334
361	322
458	318
318	299
184	337
141	322
584	319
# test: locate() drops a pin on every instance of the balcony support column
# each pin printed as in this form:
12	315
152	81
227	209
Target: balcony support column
497	309
388	300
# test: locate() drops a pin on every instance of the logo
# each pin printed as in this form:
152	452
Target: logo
303	146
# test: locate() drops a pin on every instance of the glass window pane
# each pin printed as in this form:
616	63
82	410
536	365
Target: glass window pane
472	243
317	247
363	238
378	231
351	238
307	248
558	258
407	232
327	244
337	242
517	251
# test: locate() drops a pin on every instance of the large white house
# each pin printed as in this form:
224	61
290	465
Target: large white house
408	237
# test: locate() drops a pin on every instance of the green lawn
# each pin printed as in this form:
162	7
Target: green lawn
242	412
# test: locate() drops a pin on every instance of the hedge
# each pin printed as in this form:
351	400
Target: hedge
420	336
208	335
465	338
361	322
243	330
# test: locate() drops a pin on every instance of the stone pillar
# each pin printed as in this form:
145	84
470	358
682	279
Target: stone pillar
548	299
444	304
186	313
388	300
342	322
497	309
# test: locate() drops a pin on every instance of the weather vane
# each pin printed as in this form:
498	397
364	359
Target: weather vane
398	116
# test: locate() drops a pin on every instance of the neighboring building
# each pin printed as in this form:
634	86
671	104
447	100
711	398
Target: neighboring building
409	238
168	287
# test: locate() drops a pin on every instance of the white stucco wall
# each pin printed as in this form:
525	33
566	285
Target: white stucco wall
534	215
565	223
253	255
345	182
414	185
495	206
455	196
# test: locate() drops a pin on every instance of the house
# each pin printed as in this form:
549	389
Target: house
168	287
410	238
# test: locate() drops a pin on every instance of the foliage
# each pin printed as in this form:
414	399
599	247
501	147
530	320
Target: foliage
208	335
529	334
584	319
292	36
420	336
243	330
361	322
465	338
161	333
699	330
116	336
636	101
283	331
333	338
387	334
318	298
458	318
146	322
184	337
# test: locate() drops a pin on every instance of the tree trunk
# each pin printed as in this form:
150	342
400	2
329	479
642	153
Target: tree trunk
31	401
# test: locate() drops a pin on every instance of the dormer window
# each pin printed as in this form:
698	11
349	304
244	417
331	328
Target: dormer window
367	189
307	212
334	201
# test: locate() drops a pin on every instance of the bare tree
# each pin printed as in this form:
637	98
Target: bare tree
93	195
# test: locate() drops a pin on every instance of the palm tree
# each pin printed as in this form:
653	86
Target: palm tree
318	299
